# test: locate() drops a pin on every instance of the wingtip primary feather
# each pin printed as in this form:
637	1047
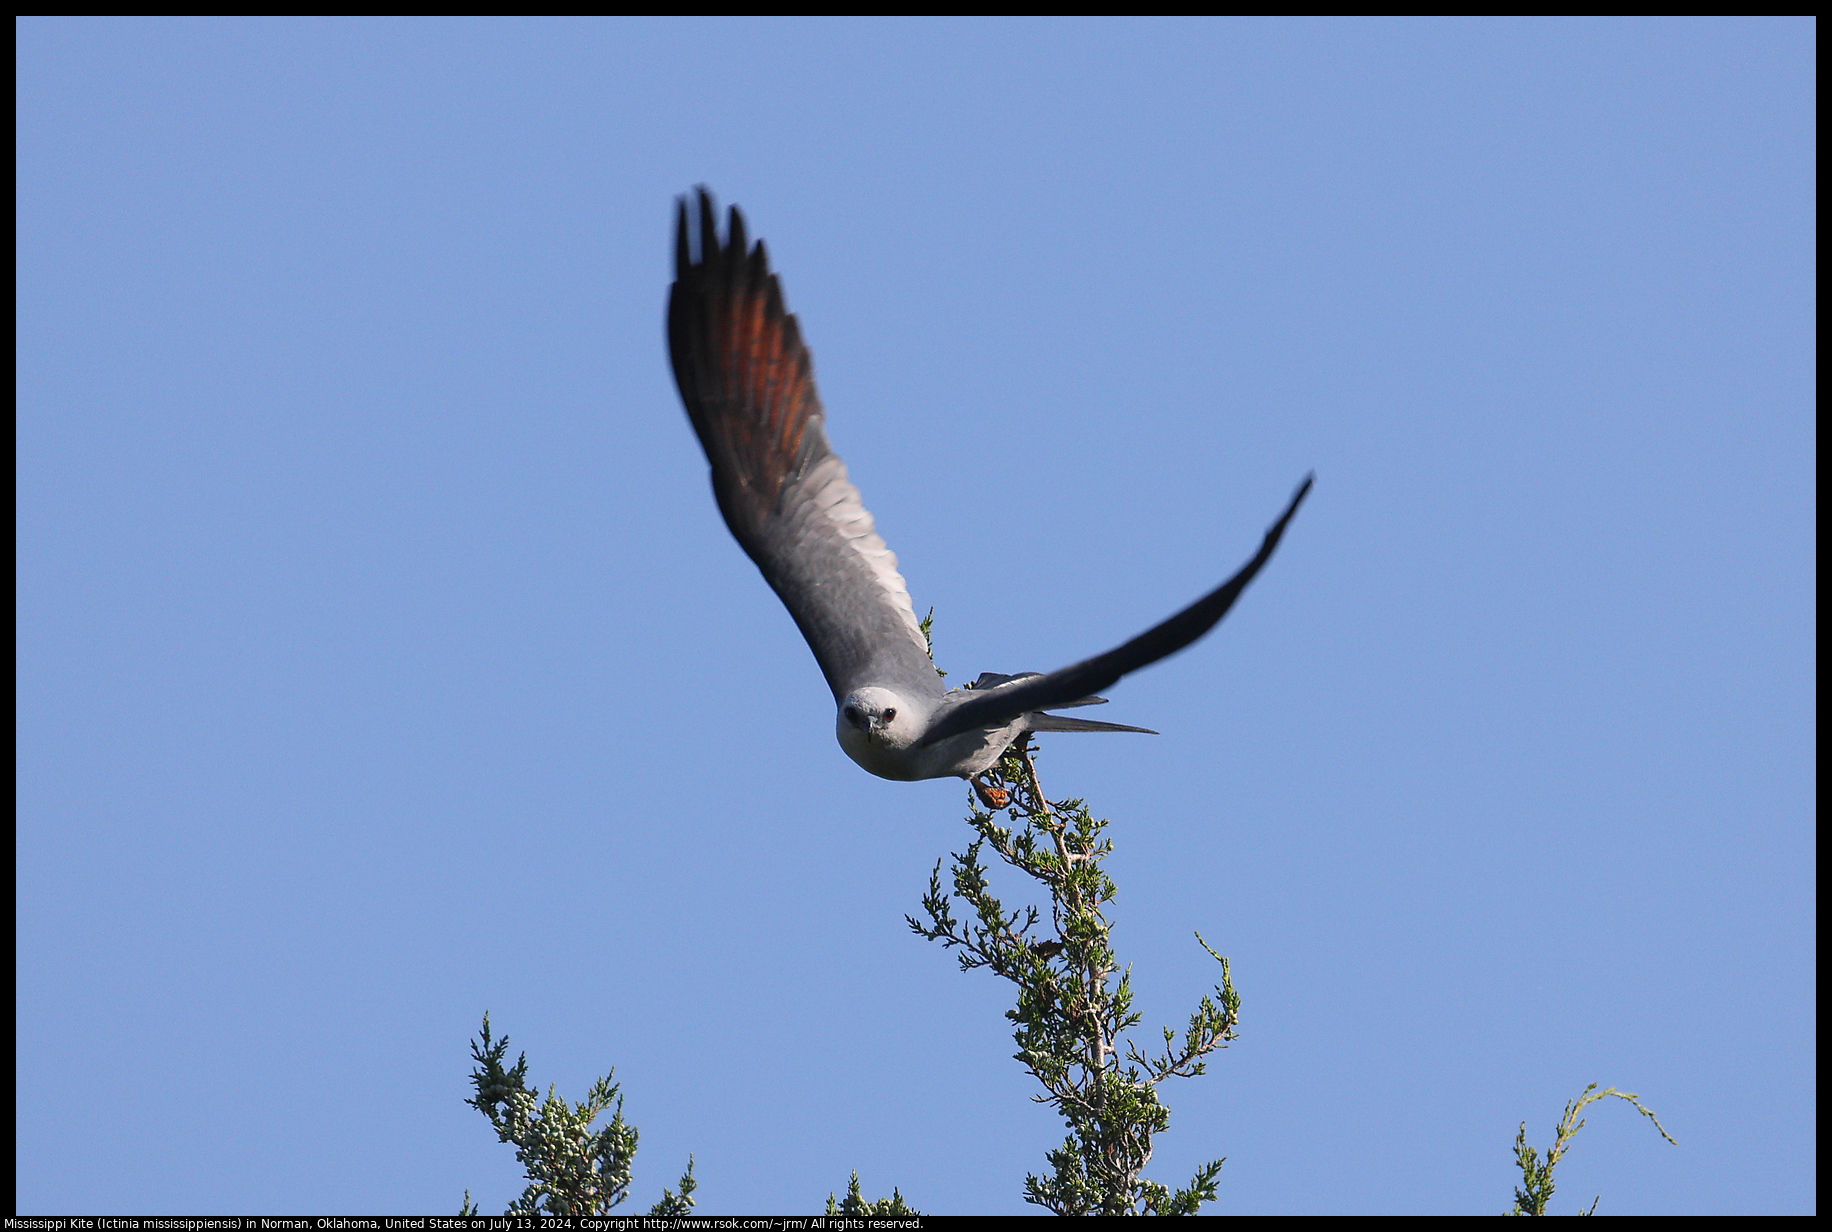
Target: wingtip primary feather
757	269
735	245
1277	530
709	226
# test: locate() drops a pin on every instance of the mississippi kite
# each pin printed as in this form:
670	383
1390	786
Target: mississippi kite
747	381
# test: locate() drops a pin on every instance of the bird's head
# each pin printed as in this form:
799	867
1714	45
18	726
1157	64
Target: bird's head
879	717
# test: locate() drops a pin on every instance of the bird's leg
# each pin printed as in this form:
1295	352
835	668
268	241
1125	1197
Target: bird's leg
994	798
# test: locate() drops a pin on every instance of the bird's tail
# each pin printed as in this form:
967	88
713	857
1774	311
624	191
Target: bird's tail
1040	722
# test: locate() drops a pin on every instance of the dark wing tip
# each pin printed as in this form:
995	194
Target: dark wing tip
709	226
735	246
732	253
1277	529
1167	637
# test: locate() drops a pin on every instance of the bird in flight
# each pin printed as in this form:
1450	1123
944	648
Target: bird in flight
747	381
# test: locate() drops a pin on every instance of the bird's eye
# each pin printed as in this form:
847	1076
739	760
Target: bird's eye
889	715
852	714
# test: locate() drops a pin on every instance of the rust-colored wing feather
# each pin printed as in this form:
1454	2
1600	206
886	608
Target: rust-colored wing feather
747	382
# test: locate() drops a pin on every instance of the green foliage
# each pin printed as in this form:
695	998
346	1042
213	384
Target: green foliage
1535	1190
571	1169
1070	1012
855	1203
671	1203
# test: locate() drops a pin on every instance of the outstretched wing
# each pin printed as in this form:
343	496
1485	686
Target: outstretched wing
748	385
996	707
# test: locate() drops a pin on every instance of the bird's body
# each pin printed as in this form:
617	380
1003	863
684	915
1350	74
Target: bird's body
747	382
892	747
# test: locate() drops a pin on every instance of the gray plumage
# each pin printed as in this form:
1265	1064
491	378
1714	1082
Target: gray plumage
747	382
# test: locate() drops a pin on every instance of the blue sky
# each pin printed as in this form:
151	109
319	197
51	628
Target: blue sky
382	658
